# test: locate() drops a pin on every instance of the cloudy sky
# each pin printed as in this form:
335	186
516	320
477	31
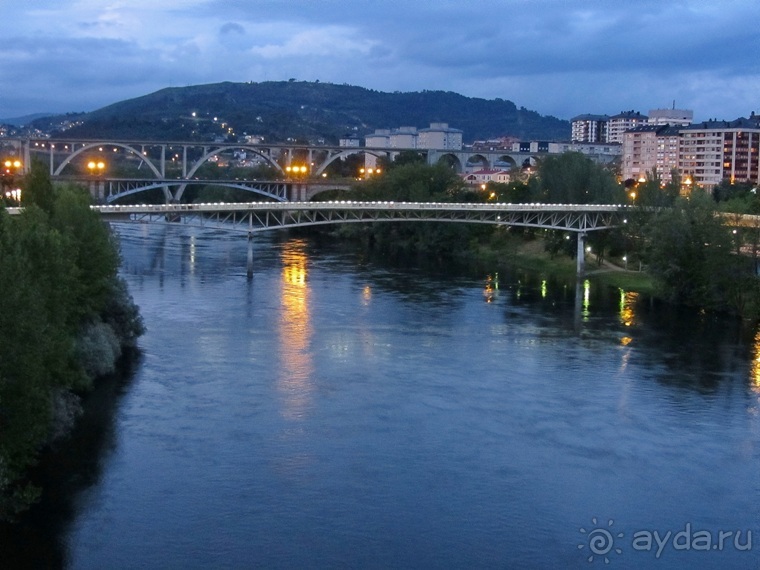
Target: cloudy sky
557	57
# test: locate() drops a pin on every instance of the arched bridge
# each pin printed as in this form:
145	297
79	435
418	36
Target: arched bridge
173	166
262	216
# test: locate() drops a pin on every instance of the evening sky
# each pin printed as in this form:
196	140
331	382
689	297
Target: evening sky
557	57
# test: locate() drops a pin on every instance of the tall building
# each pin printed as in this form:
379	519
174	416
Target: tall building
682	117
440	136
706	153
650	147
589	128
618	124
714	151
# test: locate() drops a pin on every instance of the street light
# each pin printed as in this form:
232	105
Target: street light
96	167
297	170
12	166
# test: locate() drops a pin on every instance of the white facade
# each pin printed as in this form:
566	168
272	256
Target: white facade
675	117
440	136
589	128
618	124
486	175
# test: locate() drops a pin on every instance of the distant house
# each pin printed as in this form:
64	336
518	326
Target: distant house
350	141
486	175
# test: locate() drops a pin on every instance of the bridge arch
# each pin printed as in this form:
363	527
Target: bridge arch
203	159
346	153
451	159
90	146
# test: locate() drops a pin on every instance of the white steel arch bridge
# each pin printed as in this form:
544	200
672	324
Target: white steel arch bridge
254	217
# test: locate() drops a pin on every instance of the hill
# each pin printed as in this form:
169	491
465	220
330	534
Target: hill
306	111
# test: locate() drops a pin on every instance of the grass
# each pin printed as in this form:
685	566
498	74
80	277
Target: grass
530	255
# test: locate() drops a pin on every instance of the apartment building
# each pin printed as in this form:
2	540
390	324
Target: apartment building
673	117
440	136
650	147
437	136
618	124
706	153
589	128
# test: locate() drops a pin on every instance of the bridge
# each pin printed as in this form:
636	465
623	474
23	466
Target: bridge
262	216
173	166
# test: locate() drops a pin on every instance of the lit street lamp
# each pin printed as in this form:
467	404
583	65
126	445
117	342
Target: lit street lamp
297	171
96	167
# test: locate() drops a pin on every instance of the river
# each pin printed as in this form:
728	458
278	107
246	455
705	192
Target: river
332	412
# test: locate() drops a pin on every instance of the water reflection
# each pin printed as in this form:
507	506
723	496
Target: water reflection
628	302
295	332
491	290
755	366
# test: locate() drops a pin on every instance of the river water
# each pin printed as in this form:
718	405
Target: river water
333	412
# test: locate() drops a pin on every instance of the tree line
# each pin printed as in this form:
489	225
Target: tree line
684	243
66	317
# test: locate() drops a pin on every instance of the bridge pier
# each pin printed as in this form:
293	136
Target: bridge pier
249	264
581	255
298	192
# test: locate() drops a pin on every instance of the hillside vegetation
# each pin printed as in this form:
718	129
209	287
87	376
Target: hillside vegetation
305	111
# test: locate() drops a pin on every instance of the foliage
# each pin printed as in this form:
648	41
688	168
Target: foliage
64	315
38	189
416	182
572	178
691	253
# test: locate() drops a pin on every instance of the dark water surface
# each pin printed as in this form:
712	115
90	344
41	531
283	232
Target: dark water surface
333	413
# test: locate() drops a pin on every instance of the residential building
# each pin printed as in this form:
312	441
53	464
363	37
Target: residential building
649	148
618	124
440	136
706	153
350	141
486	175
381	138
589	128
673	117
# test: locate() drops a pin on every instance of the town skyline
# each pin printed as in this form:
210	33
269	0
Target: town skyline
559	59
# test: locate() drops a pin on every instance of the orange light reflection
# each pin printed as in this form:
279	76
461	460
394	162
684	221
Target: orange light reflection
295	331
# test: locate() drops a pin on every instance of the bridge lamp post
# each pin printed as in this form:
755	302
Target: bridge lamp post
297	171
96	169
368	172
11	168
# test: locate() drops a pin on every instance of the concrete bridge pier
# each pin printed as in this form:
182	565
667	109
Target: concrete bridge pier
298	192
581	256
98	191
249	265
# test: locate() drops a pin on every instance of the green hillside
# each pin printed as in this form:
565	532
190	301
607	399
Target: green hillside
307	111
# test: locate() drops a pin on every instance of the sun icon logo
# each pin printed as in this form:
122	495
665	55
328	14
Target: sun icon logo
601	541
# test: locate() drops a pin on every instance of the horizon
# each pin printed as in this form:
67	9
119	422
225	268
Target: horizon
42	114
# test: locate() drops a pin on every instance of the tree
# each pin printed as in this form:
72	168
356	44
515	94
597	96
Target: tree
691	254
572	178
38	189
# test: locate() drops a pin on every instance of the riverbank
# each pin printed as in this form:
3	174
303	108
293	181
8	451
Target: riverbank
531	255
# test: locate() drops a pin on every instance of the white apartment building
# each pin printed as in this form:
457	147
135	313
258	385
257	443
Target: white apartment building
589	128
622	122
673	117
440	136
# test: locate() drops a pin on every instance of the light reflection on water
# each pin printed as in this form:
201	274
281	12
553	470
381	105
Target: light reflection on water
295	330
344	414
